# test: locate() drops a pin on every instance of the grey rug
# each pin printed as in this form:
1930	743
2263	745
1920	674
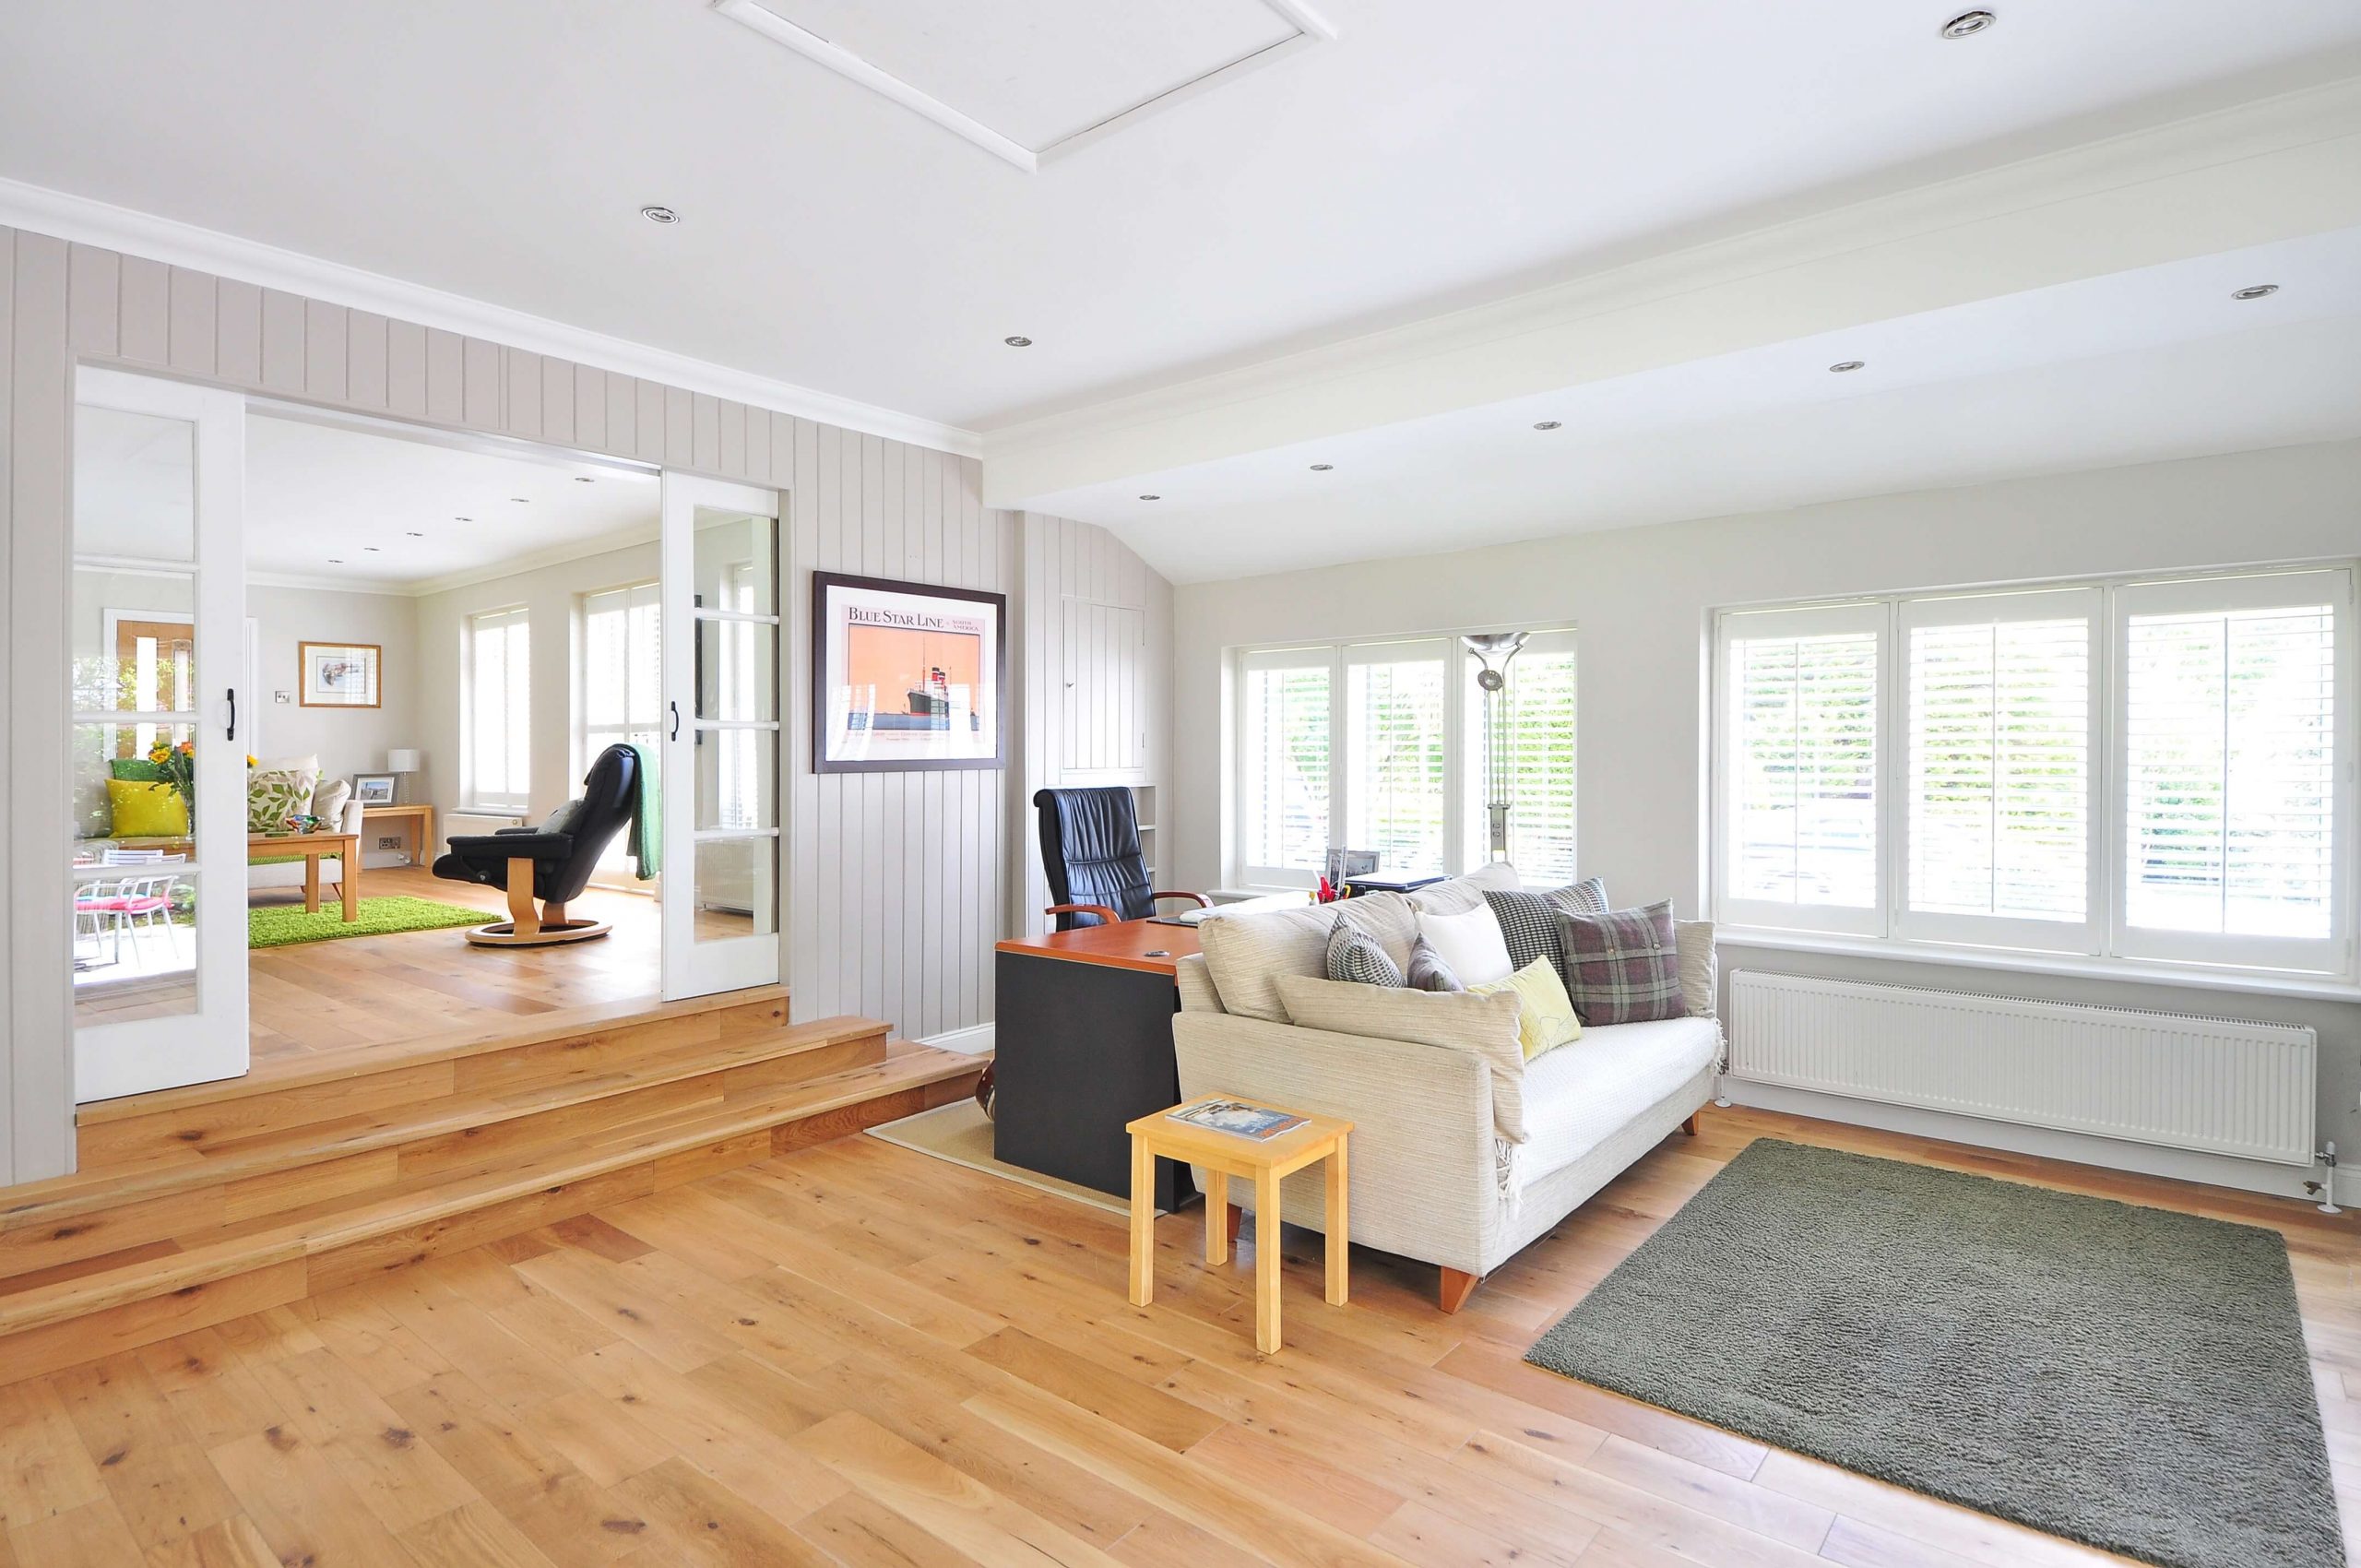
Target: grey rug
2130	1378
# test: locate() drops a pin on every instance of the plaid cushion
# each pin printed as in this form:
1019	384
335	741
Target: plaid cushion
1529	926
1354	955
1624	967
1587	896
1428	971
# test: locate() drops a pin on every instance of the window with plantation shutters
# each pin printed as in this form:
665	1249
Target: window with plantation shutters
1800	800
2154	771
500	709
1999	735
2236	758
1394	784
1286	717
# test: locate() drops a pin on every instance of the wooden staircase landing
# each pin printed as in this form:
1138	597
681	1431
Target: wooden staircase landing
197	1205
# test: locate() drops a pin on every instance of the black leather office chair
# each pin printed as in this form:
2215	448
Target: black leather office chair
551	862
1090	848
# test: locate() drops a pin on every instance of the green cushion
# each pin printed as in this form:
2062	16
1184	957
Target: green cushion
137	769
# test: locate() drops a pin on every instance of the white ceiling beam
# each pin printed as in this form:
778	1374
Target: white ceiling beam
2273	170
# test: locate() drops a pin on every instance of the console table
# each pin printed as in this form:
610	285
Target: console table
417	827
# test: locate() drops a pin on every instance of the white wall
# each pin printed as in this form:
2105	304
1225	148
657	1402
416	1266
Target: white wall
1642	599
347	740
550	595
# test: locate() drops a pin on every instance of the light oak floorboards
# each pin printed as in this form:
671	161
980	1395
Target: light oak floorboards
854	1355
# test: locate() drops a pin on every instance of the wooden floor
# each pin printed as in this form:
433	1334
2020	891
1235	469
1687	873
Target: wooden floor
856	1355
380	989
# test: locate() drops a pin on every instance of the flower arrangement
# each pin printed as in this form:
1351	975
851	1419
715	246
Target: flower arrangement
178	765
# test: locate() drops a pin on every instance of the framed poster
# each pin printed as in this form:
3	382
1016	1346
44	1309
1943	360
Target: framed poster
904	676
340	674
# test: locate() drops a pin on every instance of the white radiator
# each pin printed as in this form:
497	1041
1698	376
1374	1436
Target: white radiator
2207	1083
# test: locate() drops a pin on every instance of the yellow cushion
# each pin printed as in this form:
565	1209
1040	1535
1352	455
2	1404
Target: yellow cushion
1545	1015
144	810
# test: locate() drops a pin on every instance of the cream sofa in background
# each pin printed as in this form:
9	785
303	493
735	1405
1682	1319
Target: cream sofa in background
1463	1152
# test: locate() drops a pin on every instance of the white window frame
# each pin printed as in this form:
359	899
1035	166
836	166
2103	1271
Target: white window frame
496	803
2107	941
2084	936
1463	845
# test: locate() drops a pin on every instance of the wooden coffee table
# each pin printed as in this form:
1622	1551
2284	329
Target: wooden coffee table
314	847
1224	1155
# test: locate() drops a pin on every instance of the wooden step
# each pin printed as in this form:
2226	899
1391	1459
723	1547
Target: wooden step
219	1271
238	1180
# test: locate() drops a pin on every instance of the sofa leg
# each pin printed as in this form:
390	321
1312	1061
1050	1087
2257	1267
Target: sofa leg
1457	1287
1690	1126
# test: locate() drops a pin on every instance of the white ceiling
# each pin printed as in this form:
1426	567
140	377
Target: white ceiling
501	148
337	505
2135	367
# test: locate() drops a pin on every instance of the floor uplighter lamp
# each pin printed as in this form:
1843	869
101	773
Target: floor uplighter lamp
1493	650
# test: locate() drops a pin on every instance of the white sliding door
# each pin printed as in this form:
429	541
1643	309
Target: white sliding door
723	663
158	848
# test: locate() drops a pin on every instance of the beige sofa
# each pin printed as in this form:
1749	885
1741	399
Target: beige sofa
1463	1152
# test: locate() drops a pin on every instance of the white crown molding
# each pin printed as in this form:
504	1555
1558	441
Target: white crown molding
86	221
2272	169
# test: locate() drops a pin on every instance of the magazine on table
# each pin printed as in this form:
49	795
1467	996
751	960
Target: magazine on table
1237	1117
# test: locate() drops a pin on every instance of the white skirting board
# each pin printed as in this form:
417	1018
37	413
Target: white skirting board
974	1040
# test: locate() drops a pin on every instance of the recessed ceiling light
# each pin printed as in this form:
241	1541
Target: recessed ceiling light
1321	467
660	215
522	499
415	534
336	560
463	519
1845	367
1548	424
585	479
1151	497
2255	292
1019	342
370	547
1967	24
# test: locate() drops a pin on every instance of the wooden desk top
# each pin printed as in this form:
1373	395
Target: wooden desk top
1126	944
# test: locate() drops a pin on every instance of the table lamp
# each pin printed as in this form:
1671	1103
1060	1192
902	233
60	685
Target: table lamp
401	759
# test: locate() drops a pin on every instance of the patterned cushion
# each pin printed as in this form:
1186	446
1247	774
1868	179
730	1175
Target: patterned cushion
1529	926
1426	971
1355	955
1544	1017
1587	896
1624	967
275	794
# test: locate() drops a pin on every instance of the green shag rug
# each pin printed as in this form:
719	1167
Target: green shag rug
2128	1377
284	926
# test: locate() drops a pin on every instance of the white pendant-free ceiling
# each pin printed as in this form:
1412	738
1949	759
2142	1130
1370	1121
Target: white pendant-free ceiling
1024	88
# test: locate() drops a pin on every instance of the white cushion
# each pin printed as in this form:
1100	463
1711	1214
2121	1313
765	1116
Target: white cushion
1462	893
1578	1095
1470	943
1245	953
1484	1026
1695	940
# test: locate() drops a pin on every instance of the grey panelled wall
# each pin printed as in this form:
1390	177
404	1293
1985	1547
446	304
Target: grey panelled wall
898	886
1095	689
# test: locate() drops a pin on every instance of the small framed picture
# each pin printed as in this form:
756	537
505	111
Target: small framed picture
373	788
340	674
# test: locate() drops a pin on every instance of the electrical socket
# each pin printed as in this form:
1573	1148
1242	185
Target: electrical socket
393	843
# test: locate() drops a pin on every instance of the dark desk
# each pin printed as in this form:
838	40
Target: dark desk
1082	1046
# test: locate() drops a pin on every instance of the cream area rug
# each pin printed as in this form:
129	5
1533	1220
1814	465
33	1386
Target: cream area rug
961	1133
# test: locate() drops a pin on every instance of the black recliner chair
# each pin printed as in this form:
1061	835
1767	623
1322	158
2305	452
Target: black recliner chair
551	862
1090	849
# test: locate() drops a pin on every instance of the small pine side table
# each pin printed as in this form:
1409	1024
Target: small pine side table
1224	1155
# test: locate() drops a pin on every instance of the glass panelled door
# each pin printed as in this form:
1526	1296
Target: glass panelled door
721	776
158	840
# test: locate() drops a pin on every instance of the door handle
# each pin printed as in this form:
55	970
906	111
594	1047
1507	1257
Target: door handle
233	715
676	721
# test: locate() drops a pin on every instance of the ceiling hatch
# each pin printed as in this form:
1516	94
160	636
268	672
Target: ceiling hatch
1032	79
